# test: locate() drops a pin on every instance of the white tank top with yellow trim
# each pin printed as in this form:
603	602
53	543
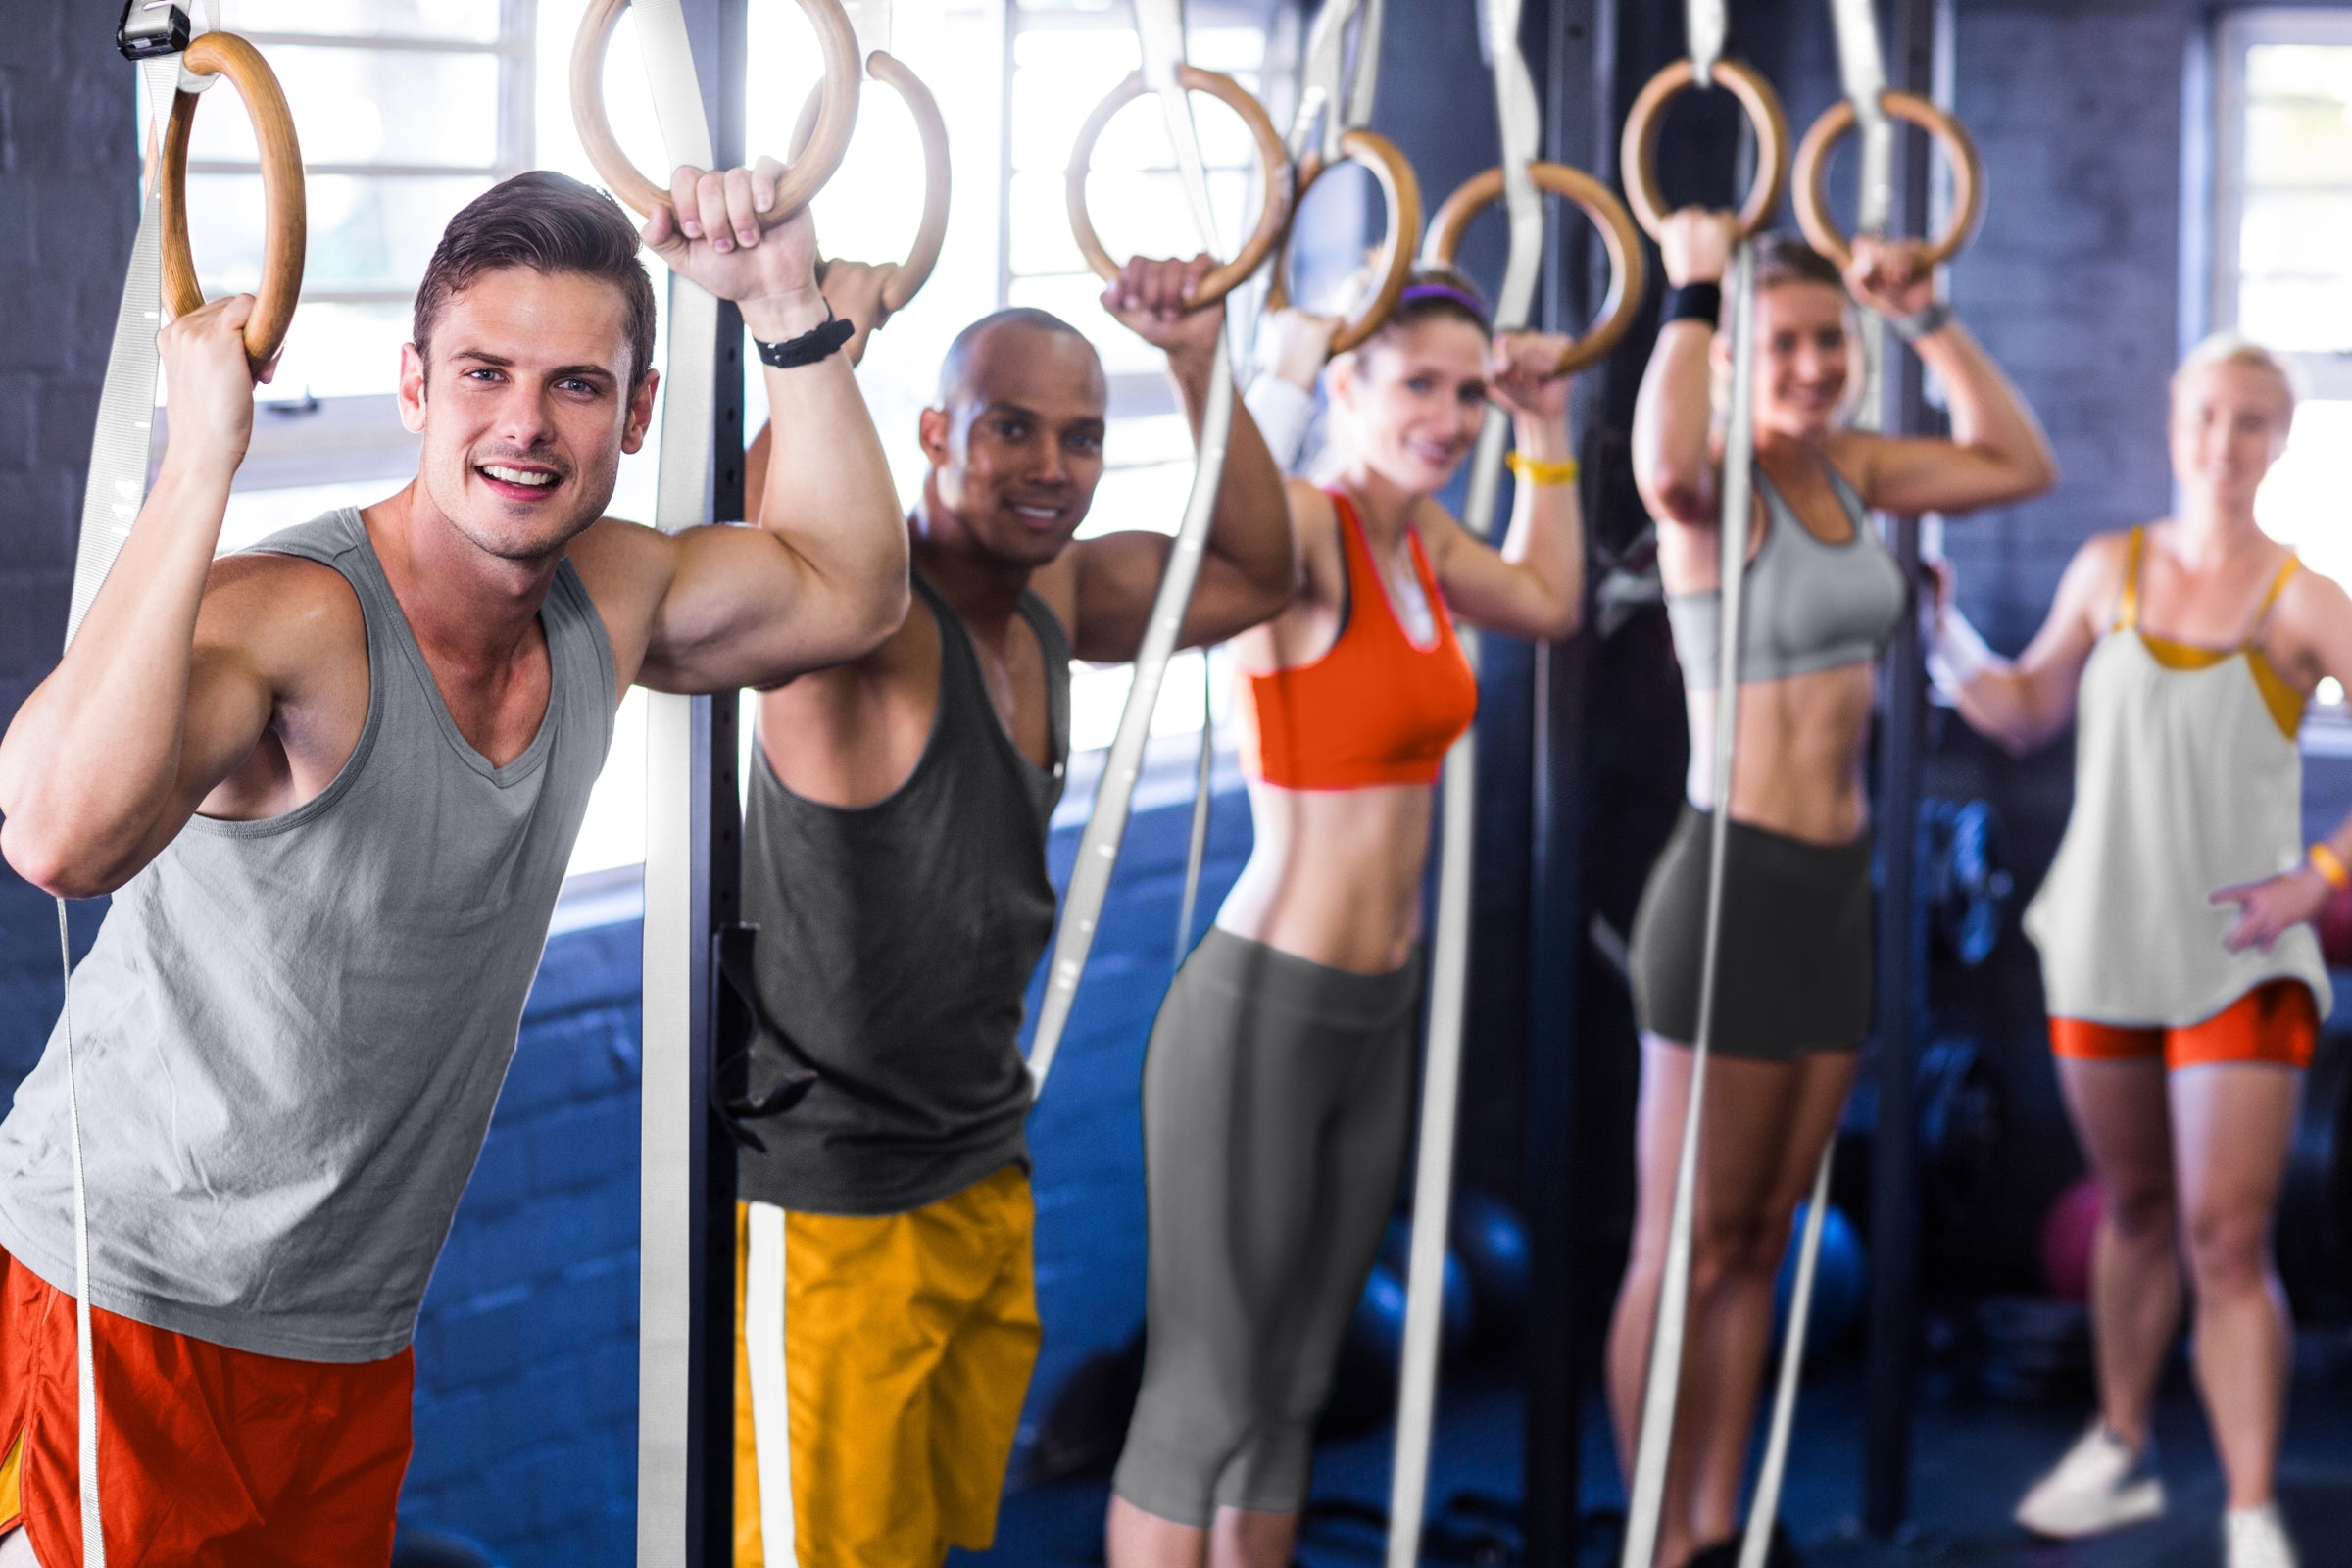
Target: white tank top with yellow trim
2188	778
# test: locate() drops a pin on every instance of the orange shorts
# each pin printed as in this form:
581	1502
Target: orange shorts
2274	1024
208	1457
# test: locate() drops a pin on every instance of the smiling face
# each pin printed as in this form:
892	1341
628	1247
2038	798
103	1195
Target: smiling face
1801	358
1411	400
2229	423
1016	448
525	408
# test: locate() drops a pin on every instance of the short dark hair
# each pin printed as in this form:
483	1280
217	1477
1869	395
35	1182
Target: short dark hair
958	360
1783	258
548	223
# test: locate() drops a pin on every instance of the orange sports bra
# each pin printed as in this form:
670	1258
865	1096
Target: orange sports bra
1376	708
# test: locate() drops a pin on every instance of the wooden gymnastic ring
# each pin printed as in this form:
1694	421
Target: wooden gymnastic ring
1629	266
1813	170
801	182
1274	163
1401	190
224	54
907	277
1638	156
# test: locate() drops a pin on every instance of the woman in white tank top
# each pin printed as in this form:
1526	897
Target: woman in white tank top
2183	977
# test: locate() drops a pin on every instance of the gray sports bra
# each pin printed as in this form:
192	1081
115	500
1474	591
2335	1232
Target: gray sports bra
1808	605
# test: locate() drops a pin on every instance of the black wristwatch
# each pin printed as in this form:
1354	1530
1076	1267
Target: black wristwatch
817	343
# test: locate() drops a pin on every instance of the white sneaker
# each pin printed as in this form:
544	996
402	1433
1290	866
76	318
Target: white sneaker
2100	1484
2257	1539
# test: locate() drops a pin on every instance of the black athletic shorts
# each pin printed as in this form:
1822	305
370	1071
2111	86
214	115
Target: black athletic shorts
1794	971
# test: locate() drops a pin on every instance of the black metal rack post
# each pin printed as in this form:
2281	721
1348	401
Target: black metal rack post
1894	1331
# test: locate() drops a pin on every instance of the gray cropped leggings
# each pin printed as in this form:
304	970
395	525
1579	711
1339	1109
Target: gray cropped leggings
1277	1103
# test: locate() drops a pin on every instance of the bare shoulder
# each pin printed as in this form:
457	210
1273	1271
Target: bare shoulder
281	609
2316	601
1441	532
1313	510
624	561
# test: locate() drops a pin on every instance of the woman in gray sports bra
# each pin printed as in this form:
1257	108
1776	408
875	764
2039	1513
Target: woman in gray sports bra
1822	597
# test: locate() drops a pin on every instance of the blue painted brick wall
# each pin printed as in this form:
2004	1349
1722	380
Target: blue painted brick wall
526	1351
69	173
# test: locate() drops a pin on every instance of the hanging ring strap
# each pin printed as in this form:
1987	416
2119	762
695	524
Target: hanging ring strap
1161	32
1629	266
1646	1493
801	182
1519	128
1639	154
1959	150
1274	165
1401	193
907	277
224	54
158	38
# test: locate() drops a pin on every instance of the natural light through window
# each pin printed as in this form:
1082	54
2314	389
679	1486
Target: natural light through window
2284	252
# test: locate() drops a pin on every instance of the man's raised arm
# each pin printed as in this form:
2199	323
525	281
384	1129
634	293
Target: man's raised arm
163	693
1250	564
822	580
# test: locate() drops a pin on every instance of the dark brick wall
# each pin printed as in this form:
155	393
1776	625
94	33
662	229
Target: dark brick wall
68	168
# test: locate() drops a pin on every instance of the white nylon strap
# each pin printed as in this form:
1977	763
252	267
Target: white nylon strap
1646	1496
116	489
1520	127
1161	26
763	1277
1331	101
1099	845
1862	69
670	1111
1765	1507
1705	25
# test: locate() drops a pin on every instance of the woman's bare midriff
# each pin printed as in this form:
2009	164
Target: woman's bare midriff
1798	768
1335	876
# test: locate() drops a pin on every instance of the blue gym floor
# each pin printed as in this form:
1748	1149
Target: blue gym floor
1974	1456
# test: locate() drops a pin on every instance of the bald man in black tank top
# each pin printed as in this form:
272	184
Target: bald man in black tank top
894	862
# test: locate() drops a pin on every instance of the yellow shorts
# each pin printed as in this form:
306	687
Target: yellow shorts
908	1343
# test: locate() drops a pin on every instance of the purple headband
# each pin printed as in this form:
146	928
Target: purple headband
1444	291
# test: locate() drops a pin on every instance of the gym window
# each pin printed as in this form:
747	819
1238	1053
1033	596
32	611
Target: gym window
407	110
2282	249
1061	60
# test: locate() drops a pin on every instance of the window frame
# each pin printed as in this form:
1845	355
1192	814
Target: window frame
2326	375
308	441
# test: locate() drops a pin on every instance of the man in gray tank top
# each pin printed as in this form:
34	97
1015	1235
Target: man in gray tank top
333	785
895	863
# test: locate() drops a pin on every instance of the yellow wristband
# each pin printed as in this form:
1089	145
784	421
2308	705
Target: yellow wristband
1536	471
2331	865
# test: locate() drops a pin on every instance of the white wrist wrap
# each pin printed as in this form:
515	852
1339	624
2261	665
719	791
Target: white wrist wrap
1956	655
1282	410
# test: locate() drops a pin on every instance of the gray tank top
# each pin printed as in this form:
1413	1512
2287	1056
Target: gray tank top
290	1032
1808	605
895	945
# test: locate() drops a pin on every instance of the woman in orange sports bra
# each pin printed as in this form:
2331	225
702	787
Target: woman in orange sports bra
2182	977
1278	1085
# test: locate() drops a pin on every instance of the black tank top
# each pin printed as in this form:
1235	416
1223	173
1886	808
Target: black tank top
896	944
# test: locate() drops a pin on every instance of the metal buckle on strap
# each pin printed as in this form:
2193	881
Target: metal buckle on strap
1327	94
150	29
